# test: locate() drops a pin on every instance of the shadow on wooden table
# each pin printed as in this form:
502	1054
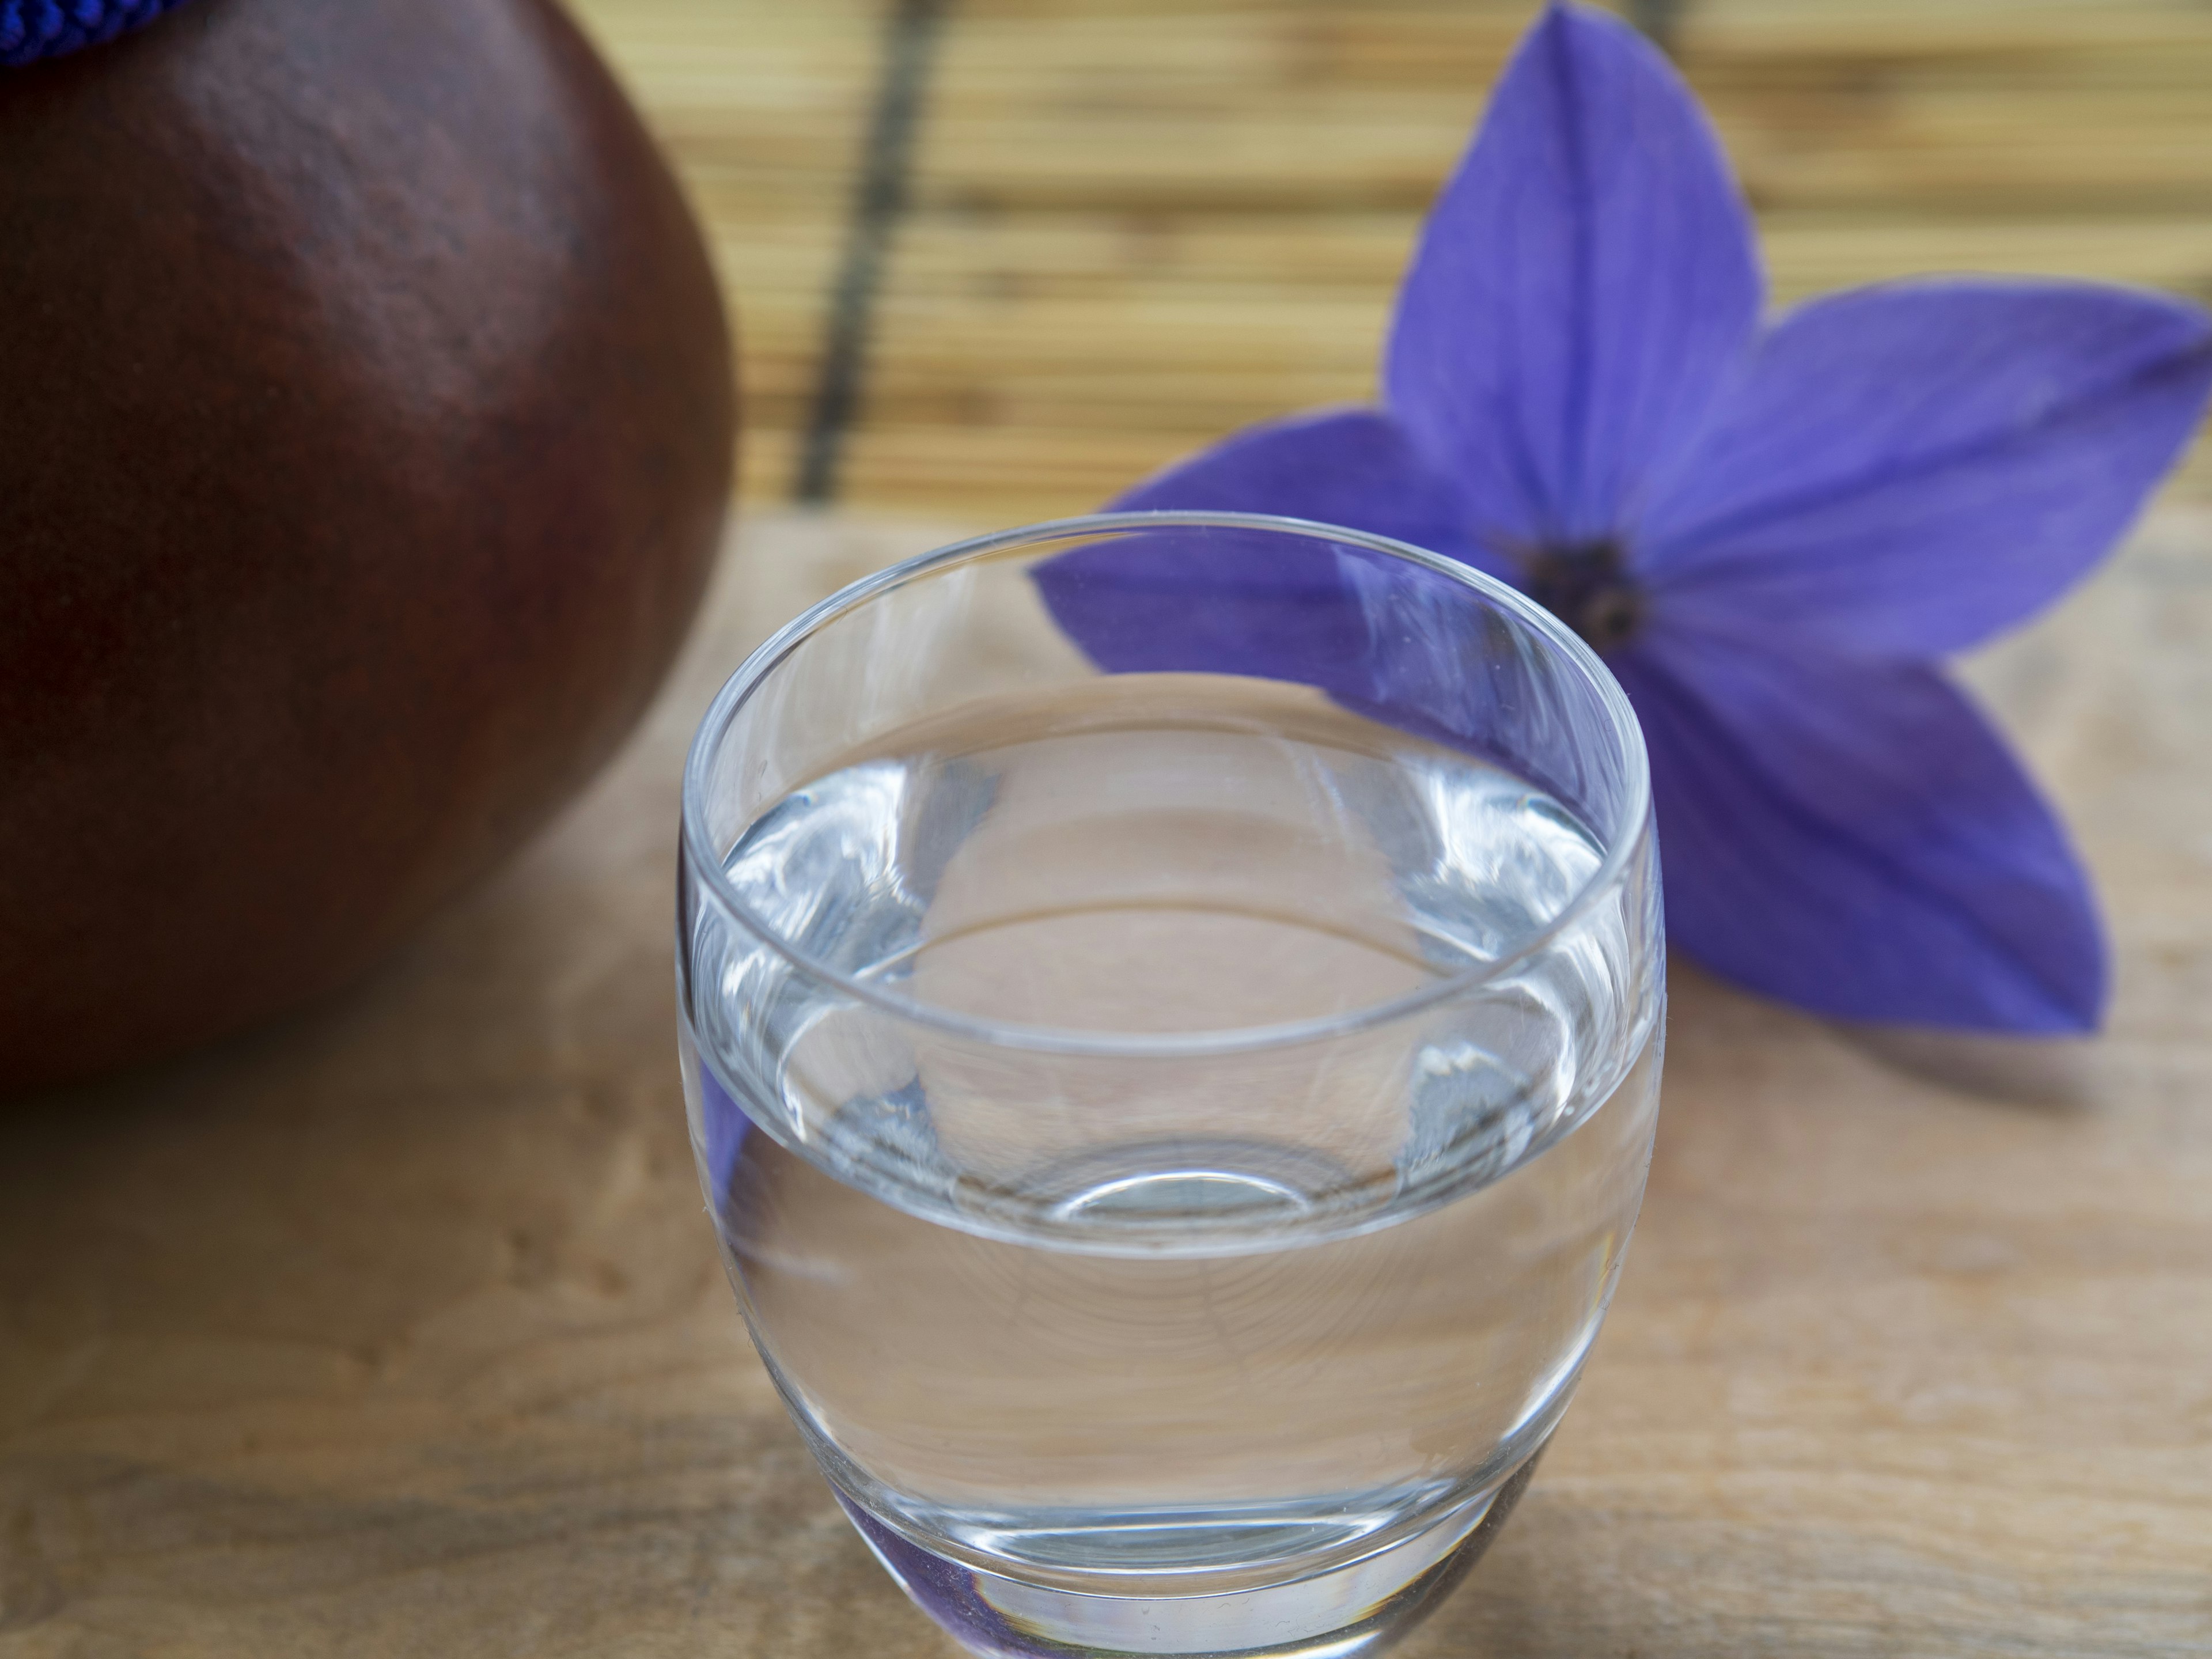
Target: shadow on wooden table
2058	1075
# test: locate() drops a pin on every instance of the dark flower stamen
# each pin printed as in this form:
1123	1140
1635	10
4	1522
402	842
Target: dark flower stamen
1589	589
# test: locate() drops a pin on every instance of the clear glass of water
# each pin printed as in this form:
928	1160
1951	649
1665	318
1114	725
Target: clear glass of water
1173	1105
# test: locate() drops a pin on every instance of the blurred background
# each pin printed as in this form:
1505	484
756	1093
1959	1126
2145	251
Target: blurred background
994	260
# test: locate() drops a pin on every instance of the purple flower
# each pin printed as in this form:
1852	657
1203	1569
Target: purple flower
1769	530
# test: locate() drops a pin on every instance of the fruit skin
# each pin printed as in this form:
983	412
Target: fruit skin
366	430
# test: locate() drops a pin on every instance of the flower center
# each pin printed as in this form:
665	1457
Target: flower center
1587	588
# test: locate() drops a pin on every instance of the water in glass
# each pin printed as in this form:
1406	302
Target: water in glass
1115	1336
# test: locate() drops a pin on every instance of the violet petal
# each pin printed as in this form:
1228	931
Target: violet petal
1257	604
1849	835
1216	600
1905	469
1227	600
1585	282
1344	467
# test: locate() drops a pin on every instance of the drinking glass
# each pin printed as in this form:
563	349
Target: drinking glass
1171	1009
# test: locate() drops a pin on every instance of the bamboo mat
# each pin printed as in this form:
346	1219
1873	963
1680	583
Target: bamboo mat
1131	225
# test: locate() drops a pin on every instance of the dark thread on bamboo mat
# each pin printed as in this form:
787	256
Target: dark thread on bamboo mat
1660	19
878	204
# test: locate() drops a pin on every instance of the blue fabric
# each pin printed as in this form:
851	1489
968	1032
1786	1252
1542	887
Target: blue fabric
32	30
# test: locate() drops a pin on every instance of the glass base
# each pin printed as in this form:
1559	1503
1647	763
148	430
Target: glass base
1357	1610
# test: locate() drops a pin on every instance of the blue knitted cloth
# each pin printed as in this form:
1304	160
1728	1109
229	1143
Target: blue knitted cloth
32	29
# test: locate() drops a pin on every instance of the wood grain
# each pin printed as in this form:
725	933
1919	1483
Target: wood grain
399	1330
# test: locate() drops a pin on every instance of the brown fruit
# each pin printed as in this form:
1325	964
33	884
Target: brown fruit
366	425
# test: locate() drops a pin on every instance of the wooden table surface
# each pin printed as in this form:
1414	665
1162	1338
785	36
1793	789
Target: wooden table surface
397	1329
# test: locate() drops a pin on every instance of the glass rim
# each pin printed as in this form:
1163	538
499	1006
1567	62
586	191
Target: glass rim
753	672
